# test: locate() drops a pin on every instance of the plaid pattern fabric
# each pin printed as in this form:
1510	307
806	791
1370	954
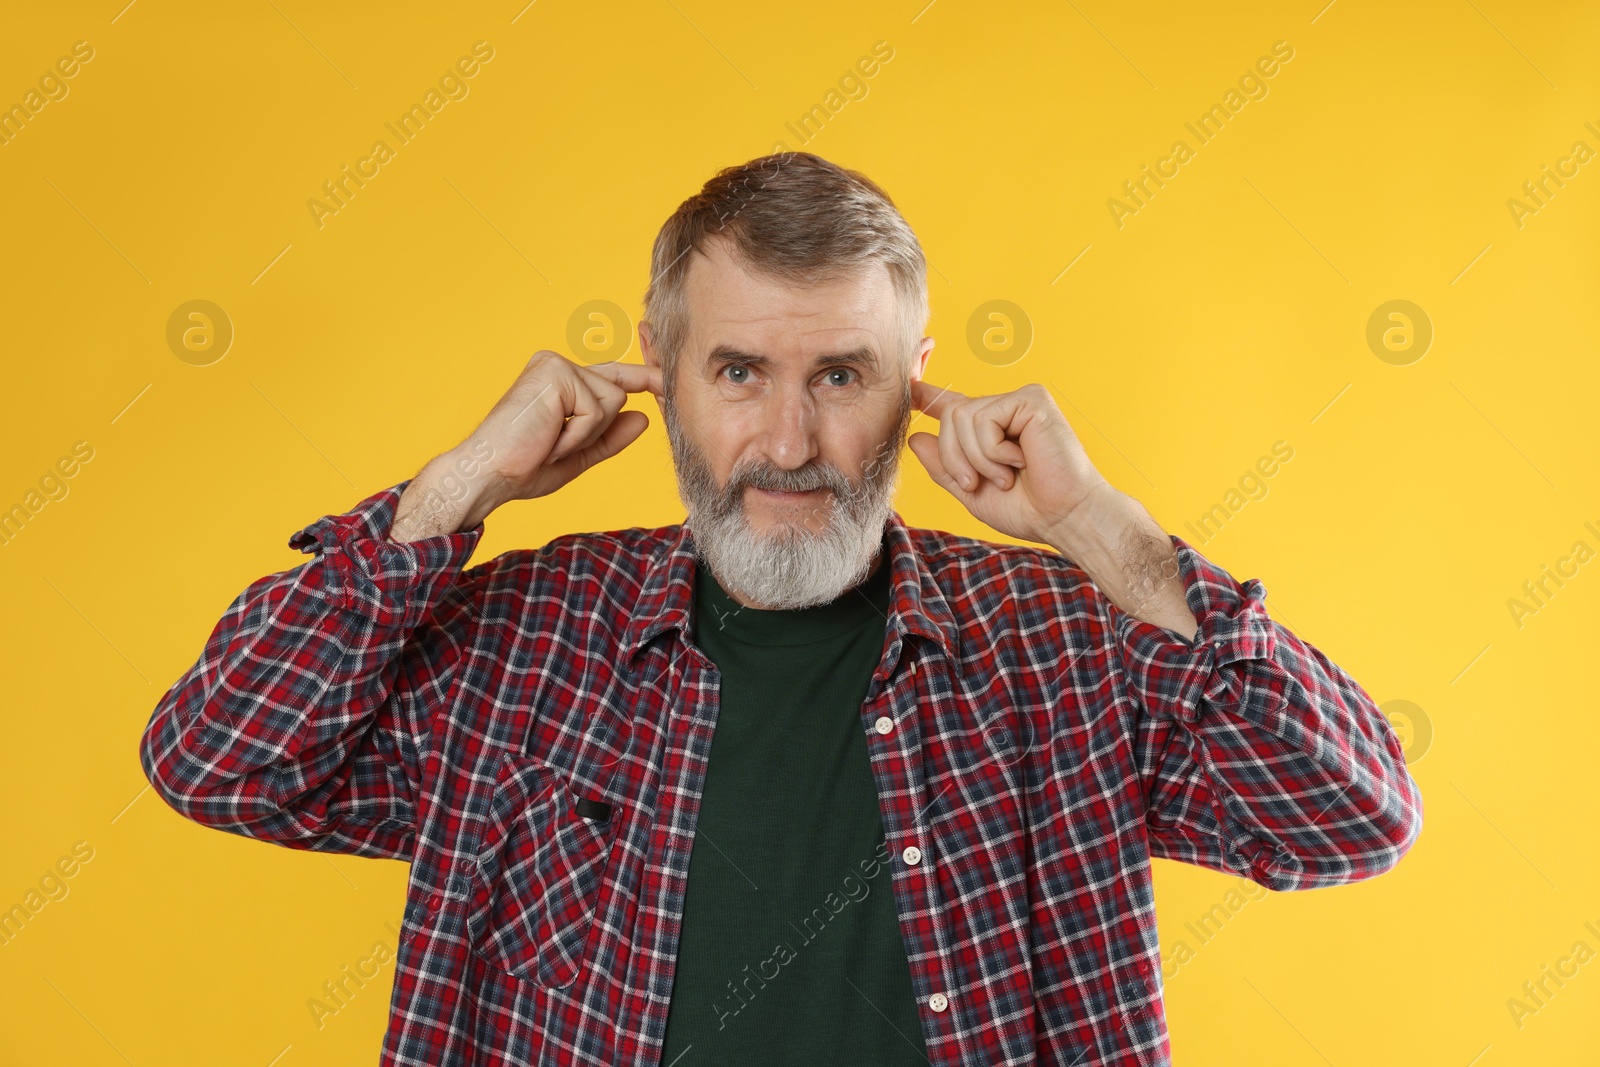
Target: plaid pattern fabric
531	735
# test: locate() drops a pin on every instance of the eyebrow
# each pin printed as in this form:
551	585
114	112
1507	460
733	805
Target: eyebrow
724	354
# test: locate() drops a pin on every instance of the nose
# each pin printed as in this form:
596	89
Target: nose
791	427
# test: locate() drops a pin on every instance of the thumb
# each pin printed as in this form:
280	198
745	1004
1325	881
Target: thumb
925	446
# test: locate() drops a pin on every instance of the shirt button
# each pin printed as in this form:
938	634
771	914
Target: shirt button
938	1002
912	854
884	724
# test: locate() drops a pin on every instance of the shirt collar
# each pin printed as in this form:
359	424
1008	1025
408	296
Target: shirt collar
916	605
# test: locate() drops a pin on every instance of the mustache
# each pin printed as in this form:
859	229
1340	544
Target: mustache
698	483
785	481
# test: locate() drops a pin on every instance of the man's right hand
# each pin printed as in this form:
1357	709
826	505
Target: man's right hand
556	421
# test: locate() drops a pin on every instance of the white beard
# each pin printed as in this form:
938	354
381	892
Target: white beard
791	567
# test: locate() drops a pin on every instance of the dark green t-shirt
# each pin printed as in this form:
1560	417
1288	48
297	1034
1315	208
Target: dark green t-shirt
791	951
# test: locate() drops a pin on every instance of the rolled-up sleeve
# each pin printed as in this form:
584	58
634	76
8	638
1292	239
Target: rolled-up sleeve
1258	755
304	718
392	584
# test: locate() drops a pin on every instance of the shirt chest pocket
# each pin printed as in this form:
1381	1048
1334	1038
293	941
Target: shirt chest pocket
540	866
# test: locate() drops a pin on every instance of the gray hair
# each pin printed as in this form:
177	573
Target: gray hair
792	216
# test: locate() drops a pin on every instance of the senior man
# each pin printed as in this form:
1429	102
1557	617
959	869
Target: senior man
791	781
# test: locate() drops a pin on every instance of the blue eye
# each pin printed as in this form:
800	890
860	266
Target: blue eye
744	368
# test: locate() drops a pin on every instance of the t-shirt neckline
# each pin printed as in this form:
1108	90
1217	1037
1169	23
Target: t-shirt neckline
854	607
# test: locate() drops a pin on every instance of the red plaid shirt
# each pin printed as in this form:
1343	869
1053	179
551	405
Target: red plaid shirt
383	699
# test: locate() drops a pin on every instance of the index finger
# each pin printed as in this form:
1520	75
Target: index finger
932	400
632	377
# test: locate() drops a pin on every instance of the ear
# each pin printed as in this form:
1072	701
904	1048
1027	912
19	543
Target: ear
651	357
645	346
919	359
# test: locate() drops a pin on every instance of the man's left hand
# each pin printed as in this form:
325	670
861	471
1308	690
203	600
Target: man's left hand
1013	460
1015	463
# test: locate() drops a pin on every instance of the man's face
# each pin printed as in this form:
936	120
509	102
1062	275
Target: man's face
787	413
